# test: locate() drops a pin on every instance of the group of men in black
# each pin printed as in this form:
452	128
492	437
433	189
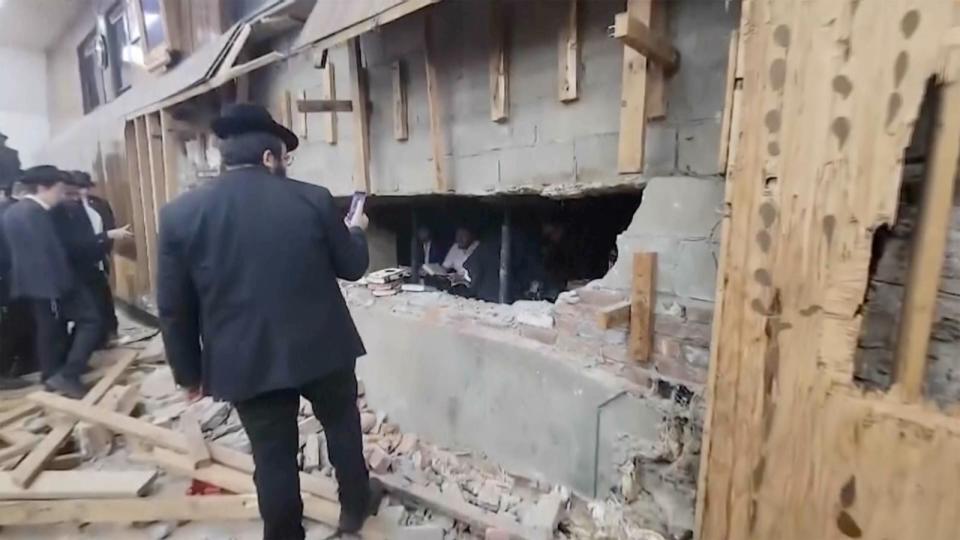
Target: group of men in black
56	306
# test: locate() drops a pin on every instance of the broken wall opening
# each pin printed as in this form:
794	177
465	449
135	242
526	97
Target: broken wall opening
555	245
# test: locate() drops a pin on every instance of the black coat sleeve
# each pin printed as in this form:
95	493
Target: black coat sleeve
348	247
179	307
106	213
82	245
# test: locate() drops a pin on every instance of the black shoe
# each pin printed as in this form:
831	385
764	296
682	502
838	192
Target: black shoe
8	383
71	388
352	522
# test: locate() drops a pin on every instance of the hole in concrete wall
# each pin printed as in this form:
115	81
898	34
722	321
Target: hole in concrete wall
889	265
554	245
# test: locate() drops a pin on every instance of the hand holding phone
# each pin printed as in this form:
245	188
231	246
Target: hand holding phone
356	217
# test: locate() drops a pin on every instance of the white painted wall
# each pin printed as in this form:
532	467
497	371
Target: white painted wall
23	101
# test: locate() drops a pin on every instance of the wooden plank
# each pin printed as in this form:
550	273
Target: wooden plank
479	520
642	300
361	117
435	110
78	485
28	469
614	315
197	451
130	510
18	449
633	100
171	145
635	33
138	221
499	64
22	411
324	105
401	127
329	89
656	77
146	200
303	125
318	32
730	88
285	101
930	238
568	70
158	178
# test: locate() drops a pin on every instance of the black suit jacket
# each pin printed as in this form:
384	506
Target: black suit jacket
4	248
248	266
109	222
38	262
85	248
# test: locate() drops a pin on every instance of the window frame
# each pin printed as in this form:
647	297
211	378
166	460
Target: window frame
101	91
161	54
119	11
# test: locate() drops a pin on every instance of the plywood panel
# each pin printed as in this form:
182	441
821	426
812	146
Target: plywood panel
793	451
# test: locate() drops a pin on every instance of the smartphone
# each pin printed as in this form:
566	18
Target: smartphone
356	206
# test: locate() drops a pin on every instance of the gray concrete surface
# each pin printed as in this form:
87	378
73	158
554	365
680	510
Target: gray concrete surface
679	219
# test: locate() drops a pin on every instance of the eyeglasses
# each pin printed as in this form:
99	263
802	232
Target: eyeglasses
288	159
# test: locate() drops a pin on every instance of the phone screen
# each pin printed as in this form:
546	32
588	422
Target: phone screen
356	206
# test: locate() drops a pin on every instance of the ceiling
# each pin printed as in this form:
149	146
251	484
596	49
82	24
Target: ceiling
36	24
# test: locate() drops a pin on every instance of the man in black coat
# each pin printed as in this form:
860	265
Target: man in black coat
251	312
9	163
16	336
40	272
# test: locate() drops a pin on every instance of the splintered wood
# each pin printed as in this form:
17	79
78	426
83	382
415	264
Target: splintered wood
794	449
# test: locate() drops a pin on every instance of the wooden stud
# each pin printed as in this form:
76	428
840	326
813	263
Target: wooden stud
568	82
401	128
285	101
78	485
308	106
197	451
303	130
614	315
437	137
129	510
656	77
731	85
633	100
171	155
641	306
361	117
30	467
930	238
158	179
138	220
328	76
635	33
146	200
499	65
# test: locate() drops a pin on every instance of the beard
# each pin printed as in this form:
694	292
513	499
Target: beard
279	170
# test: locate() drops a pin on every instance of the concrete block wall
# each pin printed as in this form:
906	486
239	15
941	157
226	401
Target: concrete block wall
545	145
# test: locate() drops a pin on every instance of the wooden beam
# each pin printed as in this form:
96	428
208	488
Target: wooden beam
18	448
437	137
930	237
499	65
171	155
21	411
641	306
401	127
614	315
78	485
130	510
636	34
731	84
656	77
633	100
197	451
137	220
284	104
324	105
30	467
146	200
158	178
303	124
361	117
568	82
328	76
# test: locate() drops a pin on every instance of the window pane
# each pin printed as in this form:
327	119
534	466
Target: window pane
116	42
153	22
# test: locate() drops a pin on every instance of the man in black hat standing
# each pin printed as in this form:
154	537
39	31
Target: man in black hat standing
252	313
40	272
9	163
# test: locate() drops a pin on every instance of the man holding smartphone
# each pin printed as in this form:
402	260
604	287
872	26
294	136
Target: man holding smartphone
251	312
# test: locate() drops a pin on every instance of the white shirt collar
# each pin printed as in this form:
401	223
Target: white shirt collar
38	200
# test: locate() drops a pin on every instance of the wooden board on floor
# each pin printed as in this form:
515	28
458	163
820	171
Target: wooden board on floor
633	99
130	510
642	300
78	485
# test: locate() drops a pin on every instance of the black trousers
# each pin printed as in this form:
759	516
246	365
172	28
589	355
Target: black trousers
271	423
108	311
55	352
16	339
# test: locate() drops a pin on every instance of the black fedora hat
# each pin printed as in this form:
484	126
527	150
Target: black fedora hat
247	117
80	179
44	175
